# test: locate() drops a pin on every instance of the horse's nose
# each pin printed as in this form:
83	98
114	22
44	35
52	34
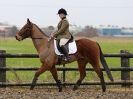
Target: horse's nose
16	37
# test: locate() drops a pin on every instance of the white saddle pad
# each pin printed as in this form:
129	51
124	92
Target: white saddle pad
72	48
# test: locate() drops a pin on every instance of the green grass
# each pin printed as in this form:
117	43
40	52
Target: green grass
108	45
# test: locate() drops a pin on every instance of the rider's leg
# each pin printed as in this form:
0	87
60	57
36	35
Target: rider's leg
63	48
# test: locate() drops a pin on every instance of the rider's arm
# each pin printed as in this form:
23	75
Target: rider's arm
63	28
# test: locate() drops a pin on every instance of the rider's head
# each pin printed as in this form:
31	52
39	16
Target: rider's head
62	13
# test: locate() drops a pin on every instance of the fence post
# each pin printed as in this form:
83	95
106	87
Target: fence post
2	65
125	75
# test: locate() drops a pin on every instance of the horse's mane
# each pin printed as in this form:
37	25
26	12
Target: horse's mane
41	30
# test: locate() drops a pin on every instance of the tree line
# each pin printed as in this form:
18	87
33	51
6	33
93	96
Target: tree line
87	31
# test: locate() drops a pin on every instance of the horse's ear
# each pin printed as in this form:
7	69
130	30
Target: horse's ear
28	21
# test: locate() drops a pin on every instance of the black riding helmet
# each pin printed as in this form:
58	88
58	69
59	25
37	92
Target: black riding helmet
62	11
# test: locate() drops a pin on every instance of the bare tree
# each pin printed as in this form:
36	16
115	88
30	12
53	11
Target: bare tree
12	31
88	31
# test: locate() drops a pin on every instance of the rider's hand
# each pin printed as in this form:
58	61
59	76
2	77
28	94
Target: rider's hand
51	35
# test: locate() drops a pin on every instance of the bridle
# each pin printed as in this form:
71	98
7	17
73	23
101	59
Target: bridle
28	32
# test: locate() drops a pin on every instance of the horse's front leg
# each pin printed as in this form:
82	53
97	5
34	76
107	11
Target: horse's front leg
53	70
42	69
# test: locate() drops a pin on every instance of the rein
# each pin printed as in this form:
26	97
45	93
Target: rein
36	38
39	30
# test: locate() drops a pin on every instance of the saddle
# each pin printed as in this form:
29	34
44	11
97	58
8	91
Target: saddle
70	45
66	45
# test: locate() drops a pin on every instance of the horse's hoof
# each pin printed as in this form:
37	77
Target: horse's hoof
32	87
60	89
104	90
75	87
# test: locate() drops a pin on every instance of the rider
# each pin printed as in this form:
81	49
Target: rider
63	34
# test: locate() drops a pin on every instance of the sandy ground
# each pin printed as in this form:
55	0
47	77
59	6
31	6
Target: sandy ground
52	93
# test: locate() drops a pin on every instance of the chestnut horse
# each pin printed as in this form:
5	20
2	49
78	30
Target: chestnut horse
87	52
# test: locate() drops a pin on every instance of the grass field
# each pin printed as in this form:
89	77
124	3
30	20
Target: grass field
108	45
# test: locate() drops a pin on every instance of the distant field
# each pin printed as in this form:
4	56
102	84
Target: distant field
108	45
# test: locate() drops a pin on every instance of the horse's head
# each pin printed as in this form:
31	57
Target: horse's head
25	31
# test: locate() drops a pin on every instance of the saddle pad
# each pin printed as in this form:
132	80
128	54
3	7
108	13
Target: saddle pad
72	48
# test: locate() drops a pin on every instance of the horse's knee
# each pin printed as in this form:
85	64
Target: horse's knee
36	74
100	74
40	71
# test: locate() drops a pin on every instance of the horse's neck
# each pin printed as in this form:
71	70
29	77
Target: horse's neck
39	39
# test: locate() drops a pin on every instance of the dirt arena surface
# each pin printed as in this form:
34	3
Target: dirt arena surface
52	93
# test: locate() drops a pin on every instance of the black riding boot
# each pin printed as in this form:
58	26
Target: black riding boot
65	52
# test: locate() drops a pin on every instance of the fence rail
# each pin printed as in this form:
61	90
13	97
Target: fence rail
62	69
125	69
8	55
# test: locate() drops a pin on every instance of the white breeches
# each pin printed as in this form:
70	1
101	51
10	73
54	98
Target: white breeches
63	41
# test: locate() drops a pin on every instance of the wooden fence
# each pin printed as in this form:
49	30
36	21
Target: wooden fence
125	69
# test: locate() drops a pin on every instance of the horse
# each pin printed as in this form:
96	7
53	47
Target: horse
88	51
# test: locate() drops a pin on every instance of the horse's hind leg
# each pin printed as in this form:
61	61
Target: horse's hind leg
81	66
100	75
55	76
37	74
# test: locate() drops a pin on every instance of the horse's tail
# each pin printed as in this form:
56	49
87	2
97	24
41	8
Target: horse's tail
103	61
